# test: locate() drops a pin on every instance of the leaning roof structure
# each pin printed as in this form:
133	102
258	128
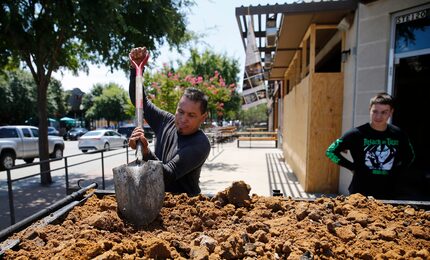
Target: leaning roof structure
279	28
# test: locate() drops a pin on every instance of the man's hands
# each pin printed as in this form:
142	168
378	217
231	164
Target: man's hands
138	57
139	134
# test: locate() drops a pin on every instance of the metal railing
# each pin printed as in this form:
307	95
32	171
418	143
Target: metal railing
66	167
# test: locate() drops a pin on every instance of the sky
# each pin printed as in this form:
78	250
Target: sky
214	18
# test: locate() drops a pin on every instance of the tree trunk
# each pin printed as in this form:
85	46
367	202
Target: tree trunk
45	168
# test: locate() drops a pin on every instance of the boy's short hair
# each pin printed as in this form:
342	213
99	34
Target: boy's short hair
382	98
197	95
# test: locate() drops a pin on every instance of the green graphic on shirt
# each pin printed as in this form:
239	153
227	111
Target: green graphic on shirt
380	172
388	141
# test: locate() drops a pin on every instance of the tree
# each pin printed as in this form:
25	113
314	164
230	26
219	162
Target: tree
226	68
56	103
204	64
233	107
112	104
18	99
254	115
165	88
52	35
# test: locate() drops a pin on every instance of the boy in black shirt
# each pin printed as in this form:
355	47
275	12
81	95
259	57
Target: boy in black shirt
380	151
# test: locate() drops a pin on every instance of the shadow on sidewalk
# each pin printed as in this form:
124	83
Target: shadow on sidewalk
282	181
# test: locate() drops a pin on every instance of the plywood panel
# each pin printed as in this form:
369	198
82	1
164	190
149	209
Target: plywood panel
325	123
295	129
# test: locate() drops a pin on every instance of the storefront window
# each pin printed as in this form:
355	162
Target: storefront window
413	31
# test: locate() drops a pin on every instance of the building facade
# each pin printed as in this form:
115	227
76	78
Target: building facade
328	60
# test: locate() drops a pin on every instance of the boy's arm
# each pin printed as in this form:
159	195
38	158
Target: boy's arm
334	153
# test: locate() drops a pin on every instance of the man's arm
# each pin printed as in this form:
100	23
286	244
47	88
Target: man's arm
187	160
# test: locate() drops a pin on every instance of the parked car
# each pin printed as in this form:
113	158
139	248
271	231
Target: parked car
75	133
53	131
101	139
22	142
126	130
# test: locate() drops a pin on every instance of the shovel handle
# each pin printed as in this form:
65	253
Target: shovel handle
139	114
139	156
139	100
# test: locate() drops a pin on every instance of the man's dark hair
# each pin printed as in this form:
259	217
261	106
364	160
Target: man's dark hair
197	95
383	99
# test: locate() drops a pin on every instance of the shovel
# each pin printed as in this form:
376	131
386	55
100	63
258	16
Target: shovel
139	185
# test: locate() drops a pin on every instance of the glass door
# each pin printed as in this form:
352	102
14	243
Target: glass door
410	85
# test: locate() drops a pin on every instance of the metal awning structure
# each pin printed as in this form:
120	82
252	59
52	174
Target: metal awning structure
279	28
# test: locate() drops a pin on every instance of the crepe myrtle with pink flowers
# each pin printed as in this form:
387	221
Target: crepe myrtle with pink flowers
164	89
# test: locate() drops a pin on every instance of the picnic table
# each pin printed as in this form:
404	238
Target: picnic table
251	136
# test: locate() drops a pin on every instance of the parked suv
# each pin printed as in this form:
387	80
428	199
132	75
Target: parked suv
126	130
22	142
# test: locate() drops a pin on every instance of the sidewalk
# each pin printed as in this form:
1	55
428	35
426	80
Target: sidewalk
261	167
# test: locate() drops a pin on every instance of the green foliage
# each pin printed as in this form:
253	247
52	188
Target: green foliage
19	98
68	34
204	71
56	102
51	35
112	104
17	95
233	107
254	115
165	88
206	63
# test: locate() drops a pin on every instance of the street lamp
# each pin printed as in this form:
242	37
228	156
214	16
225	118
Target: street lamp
81	109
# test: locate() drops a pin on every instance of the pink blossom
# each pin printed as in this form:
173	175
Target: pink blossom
222	82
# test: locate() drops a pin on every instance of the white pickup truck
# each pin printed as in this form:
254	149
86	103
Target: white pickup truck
22	142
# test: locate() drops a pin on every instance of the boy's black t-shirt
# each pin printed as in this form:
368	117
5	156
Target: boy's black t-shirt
378	158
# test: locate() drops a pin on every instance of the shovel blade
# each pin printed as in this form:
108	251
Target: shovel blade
139	191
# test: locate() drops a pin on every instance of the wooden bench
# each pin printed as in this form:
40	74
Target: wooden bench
256	129
256	136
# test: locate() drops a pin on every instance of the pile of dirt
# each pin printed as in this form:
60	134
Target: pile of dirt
234	225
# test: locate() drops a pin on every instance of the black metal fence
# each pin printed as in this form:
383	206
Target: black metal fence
10	181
